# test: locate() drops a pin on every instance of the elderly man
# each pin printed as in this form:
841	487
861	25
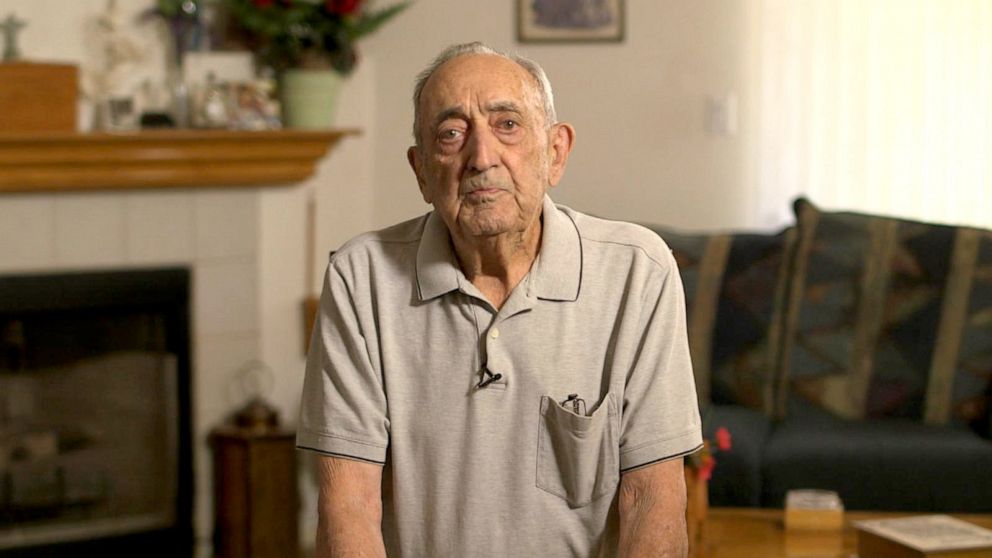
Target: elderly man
502	376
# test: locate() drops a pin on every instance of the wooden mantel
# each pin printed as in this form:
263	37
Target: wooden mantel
49	162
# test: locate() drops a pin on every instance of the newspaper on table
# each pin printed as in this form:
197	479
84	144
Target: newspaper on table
929	533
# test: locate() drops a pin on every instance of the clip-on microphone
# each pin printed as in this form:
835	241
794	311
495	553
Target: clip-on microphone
486	381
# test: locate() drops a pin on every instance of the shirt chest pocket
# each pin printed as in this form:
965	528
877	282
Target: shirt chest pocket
578	456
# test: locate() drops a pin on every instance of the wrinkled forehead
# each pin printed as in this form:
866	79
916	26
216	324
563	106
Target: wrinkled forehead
474	79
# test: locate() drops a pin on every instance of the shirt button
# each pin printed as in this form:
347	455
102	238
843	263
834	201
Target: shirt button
494	333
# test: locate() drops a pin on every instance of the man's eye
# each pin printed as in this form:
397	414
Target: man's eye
508	124
449	135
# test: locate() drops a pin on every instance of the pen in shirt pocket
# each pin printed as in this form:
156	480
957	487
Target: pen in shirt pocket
576	403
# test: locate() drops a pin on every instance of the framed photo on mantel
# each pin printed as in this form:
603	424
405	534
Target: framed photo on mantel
574	21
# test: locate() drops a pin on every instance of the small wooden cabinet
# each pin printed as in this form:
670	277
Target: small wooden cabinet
256	502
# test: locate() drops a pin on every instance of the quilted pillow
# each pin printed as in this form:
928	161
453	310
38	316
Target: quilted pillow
735	290
888	318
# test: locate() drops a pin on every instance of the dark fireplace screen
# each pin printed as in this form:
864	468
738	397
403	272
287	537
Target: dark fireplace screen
94	414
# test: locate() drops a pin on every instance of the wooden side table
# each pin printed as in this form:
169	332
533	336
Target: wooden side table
760	532
255	495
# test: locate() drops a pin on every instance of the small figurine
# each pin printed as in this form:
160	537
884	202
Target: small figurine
120	49
10	27
113	54
212	105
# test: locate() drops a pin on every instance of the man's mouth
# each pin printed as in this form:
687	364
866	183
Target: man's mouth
484	191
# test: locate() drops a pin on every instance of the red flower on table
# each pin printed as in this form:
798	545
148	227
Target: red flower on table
702	462
722	438
706	467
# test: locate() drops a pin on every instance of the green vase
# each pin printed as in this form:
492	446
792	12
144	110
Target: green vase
309	97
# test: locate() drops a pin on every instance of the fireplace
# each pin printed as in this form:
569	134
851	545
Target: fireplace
95	425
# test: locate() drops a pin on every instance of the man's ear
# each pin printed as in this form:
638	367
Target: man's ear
559	146
413	157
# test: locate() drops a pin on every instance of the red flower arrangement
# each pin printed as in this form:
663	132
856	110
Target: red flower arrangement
307	33
703	462
341	7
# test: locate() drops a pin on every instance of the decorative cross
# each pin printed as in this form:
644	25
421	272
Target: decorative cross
9	27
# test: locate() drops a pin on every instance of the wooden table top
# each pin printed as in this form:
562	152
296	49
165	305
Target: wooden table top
759	533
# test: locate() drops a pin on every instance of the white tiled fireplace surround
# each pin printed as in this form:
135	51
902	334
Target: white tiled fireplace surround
214	232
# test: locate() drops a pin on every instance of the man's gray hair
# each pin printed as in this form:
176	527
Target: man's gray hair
454	51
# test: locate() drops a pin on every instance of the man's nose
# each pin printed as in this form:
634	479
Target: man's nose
483	150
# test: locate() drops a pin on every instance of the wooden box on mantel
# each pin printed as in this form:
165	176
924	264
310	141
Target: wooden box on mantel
38	97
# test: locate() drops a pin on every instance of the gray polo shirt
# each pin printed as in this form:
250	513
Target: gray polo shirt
403	340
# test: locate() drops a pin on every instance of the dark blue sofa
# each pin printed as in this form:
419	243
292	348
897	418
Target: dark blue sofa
851	353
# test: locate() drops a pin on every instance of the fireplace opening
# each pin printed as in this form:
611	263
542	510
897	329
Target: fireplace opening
95	426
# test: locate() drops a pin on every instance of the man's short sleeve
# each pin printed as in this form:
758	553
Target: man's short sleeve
660	418
343	410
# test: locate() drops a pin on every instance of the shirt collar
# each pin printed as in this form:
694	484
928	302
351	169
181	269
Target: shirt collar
555	275
557	272
437	266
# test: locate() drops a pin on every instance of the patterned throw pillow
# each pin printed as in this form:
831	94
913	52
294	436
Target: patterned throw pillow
735	290
887	317
961	382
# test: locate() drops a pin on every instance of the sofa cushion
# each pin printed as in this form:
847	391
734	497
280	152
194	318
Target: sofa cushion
736	479
735	287
747	331
968	394
884	464
887	318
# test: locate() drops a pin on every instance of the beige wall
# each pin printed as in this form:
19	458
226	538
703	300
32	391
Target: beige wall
642	150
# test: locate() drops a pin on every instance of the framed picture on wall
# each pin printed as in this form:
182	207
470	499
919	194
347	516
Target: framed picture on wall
575	21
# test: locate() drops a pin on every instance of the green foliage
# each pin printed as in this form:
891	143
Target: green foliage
374	20
300	33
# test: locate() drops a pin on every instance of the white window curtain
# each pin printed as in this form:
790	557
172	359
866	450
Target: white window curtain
882	106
